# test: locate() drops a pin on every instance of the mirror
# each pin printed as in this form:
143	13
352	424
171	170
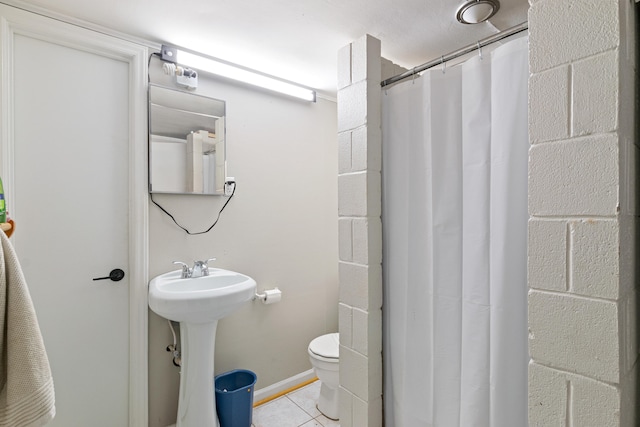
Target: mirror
186	142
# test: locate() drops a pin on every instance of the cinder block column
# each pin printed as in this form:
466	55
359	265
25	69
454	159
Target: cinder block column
583	215
360	233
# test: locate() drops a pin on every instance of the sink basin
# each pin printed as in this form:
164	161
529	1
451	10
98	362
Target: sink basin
200	299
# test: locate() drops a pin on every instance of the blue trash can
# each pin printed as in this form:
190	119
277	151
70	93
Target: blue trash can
234	397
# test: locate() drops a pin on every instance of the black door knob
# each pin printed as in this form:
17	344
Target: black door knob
115	275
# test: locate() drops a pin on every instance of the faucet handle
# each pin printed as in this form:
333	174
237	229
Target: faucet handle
186	271
206	265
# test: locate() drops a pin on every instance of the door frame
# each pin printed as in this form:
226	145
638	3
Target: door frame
15	21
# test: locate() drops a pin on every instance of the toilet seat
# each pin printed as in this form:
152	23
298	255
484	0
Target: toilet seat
326	347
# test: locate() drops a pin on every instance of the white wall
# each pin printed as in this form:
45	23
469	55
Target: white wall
582	202
360	233
280	228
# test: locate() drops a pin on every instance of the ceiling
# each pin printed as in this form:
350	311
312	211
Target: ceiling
297	40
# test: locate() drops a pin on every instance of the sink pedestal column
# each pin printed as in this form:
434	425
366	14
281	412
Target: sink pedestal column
196	403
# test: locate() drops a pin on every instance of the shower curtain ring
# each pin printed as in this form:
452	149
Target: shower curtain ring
444	64
480	50
413	75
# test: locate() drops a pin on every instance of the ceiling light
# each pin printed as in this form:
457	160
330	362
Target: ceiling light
235	72
476	11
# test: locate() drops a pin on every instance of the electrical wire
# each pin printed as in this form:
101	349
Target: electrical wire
212	225
149	62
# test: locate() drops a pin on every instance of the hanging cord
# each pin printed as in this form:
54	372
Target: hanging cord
233	191
149	64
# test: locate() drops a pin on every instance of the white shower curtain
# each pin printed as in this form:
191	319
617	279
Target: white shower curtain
455	147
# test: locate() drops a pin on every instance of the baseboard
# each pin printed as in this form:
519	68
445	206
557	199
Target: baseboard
288	384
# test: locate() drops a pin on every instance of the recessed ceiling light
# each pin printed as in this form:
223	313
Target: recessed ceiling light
476	11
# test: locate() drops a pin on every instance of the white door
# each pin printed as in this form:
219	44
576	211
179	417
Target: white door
70	193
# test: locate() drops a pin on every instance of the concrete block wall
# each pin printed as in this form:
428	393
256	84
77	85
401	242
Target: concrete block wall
360	233
583	215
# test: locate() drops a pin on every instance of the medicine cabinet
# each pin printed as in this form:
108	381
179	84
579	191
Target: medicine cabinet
186	142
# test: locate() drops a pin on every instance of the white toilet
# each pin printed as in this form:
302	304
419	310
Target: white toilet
324	353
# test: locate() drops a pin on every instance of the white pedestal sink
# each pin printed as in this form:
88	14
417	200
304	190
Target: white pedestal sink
198	303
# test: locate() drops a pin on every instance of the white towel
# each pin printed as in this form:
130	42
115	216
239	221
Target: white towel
26	386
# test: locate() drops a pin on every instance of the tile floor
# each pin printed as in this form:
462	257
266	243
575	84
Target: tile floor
295	409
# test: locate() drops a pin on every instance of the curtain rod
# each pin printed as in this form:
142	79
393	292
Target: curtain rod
458	53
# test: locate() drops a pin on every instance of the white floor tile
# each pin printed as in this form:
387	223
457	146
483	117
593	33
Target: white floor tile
281	412
307	397
312	423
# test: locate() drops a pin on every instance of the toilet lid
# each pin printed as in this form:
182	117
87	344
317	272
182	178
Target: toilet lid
326	346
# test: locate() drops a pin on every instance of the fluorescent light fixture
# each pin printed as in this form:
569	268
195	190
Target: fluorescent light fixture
229	71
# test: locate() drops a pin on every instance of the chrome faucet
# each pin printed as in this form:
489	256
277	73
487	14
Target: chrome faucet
186	271
199	269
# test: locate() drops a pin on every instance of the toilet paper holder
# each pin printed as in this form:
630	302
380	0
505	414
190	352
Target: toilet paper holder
269	296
